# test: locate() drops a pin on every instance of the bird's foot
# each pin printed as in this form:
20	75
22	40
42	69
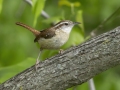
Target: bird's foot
61	51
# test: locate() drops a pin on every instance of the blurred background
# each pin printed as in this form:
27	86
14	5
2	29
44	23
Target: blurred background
18	50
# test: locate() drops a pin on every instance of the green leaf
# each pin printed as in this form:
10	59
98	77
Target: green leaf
1	5
64	2
37	8
68	3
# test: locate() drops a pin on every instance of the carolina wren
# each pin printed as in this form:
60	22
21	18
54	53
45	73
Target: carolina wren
53	37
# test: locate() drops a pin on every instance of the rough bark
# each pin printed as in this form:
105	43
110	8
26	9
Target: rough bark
75	66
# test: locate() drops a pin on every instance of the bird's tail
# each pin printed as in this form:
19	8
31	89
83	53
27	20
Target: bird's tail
34	31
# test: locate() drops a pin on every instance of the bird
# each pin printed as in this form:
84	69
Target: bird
53	37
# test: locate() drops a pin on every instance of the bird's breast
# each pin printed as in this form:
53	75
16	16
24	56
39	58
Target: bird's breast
55	42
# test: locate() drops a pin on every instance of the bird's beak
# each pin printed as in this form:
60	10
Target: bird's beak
75	23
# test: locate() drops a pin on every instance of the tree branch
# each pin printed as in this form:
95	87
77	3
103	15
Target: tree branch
75	66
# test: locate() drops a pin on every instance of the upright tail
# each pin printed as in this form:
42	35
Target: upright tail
34	31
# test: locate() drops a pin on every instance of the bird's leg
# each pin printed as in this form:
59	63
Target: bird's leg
37	61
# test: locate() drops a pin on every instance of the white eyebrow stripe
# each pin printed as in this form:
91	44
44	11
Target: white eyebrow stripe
59	24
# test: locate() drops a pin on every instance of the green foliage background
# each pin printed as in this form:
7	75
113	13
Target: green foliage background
18	51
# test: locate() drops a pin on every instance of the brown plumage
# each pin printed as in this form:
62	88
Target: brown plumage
34	31
47	33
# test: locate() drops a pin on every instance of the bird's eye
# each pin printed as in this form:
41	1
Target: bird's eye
66	24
